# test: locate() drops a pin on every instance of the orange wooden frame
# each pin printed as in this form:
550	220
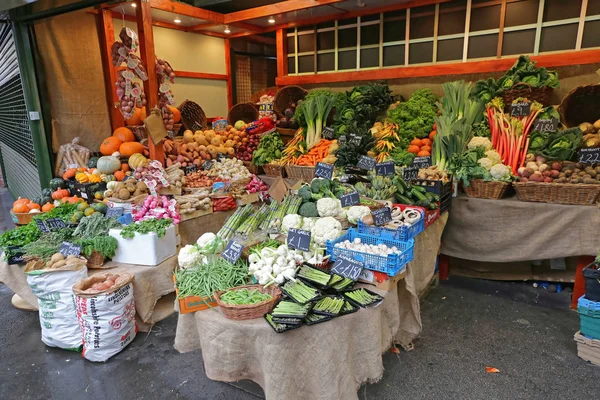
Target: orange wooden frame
201	75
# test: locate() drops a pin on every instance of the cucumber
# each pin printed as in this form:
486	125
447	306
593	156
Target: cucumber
404	200
403	184
417	194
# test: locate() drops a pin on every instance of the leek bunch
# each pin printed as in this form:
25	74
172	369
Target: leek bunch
316	111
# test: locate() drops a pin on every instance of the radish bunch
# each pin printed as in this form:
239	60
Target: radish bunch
256	185
158	207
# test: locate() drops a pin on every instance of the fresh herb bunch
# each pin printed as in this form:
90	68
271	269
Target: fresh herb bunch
105	245
414	117
19	237
150	225
48	243
402	156
269	149
64	211
349	153
95	225
482	129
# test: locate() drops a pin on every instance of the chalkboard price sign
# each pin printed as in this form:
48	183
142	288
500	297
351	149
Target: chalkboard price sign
55	224
366	162
42	226
298	239
347	267
590	155
385	168
70	249
342	140
356	139
422	162
381	216
410	173
207	165
190	168
114	212
520	109
232	251
350	199
545	125
328	133
324	170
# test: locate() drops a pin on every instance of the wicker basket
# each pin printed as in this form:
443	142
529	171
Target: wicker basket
255	98
344	221
96	260
299	172
558	193
192	115
582	104
274	170
521	89
254	169
249	311
246	112
286	96
487	190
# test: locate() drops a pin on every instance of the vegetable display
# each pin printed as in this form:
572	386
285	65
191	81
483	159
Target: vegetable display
217	274
244	296
158	226
269	149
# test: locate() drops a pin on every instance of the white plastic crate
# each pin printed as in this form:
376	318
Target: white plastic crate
147	249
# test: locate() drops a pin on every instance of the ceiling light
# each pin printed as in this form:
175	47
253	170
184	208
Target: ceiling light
271	20
227	30
177	20
133	5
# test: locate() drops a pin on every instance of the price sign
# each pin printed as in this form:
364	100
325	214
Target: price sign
520	109
207	165
328	133
356	139
324	170
366	162
17	255
410	173
545	125
350	199
70	249
42	226
381	216
298	239
347	267
221	156
114	212
422	162
125	219
385	168
190	168
590	155
342	140
55	224
232	251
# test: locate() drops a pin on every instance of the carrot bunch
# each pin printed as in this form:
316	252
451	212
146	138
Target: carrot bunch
317	153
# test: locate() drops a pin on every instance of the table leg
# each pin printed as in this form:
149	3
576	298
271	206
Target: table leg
579	288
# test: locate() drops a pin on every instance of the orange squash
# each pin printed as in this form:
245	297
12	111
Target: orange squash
416	142
125	167
33	206
110	145
20	201
69	174
119	175
20	208
124	135
130	148
47	207
423	153
426	148
413	149
425	142
72	200
61	194
176	114
136	119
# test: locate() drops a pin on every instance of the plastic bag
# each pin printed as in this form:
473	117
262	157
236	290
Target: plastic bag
58	317
71	155
106	317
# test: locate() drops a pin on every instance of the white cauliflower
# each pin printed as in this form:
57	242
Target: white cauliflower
480	142
500	172
329	207
291	221
327	228
308	223
494	156
486	163
355	213
189	257
209	243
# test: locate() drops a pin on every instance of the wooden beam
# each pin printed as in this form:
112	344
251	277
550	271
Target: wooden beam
215	34
146	36
254	38
118	16
203	26
471	67
276	8
228	72
201	75
282	58
187	10
106	36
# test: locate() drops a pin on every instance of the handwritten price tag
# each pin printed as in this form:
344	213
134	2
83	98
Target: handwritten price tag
590	155
70	249
350	199
324	171
347	267
232	251
366	162
381	216
298	239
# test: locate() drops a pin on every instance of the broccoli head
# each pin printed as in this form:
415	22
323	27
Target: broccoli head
308	210
321	186
305	193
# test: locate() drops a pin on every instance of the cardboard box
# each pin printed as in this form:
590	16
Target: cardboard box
147	249
380	280
247	198
196	214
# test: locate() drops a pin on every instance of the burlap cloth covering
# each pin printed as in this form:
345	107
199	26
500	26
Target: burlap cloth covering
325	361
511	230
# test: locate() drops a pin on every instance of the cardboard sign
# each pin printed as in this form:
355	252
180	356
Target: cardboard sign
347	267
422	162
410	174
366	162
381	216
590	155
298	239
324	171
350	199
55	224
190	168
385	168
155	126
42	226
520	109
328	133
232	251
114	212
545	125
70	249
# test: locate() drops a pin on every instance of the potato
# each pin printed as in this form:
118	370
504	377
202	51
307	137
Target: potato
70	257
56	257
589	181
59	264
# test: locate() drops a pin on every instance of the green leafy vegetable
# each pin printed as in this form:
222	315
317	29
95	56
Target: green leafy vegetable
150	225
414	117
105	245
269	149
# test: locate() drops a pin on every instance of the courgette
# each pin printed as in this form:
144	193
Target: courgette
404	200
420	188
417	194
432	196
424	203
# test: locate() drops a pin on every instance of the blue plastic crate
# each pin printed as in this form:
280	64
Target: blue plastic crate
403	233
391	265
589	317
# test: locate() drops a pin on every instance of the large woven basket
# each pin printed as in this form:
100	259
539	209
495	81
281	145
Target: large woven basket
487	190
246	112
249	311
582	104
286	96
254	169
96	260
274	170
521	89
272	91
192	115
558	193
300	172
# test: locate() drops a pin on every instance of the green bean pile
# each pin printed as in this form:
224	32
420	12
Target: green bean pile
289	308
331	305
339	283
218	274
244	296
314	275
362	297
300	292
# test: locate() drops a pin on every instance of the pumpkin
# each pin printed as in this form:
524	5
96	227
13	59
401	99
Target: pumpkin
120	175
110	145
21	200
94	178
137	160
110	178
176	114
108	164
69	174
60	194
47	207
136	119
124	135
82	177
71	200
20	208
130	148
125	167
33	206
92	162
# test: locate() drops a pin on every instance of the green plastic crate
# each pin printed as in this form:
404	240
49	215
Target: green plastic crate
589	317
